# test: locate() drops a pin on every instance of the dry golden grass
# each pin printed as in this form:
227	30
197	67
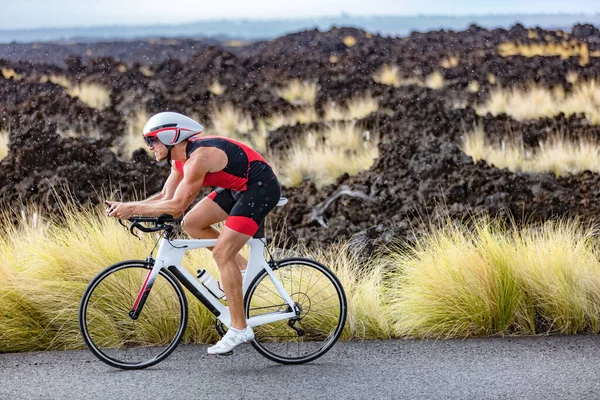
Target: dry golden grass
227	120
92	94
349	40
556	155
257	136
368	313
344	147
491	279
299	93
47	265
450	62
133	138
435	80
477	279
146	72
356	108
538	102
234	43
216	88
473	87
361	106
232	122
564	49
389	74
572	77
56	79
4	135
304	115
71	133
9	73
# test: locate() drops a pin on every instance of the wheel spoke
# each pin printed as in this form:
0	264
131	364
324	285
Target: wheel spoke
117	339
318	325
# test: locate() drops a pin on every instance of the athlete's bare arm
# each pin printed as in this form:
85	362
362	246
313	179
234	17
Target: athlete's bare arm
199	164
168	190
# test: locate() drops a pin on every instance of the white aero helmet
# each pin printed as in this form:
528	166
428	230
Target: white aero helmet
170	128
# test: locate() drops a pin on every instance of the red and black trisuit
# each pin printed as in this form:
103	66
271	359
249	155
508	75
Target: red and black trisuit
247	187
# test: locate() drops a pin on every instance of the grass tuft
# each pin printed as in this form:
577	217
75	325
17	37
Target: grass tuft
480	278
147	72
435	80
490	280
557	155
368	314
450	62
216	88
4	137
564	49
473	87
9	73
323	156
356	108
227	120
389	74
133	138
539	102
299	93
91	94
349	40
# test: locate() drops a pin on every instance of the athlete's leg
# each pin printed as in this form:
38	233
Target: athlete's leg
228	245
197	223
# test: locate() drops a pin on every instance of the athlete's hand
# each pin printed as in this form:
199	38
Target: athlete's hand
119	210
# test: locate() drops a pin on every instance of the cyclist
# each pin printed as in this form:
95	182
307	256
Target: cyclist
247	190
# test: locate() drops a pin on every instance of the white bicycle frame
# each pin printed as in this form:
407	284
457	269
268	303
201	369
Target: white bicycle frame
170	257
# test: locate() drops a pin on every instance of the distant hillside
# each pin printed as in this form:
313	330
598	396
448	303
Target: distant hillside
267	29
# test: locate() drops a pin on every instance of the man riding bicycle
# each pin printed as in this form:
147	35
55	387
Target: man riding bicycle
247	190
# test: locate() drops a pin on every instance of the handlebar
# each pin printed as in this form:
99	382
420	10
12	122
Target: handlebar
161	223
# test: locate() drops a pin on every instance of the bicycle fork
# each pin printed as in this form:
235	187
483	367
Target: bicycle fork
144	292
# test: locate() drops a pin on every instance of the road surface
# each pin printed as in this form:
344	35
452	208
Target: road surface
566	367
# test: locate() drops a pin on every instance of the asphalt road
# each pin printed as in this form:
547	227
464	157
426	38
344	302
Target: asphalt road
490	368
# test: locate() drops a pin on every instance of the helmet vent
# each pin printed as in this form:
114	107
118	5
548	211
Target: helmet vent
163	126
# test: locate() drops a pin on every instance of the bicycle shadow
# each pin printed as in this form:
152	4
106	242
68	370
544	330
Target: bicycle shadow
274	370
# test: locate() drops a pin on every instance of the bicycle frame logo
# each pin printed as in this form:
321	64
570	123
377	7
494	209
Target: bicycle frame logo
170	257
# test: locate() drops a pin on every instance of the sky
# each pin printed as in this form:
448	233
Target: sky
30	14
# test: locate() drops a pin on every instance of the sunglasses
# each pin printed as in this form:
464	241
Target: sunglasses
151	141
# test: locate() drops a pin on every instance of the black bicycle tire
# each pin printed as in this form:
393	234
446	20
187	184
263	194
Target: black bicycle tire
343	312
88	292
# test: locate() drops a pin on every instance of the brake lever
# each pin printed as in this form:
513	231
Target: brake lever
132	227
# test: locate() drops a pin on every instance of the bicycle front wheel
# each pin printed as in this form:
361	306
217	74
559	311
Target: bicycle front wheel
113	335
322	302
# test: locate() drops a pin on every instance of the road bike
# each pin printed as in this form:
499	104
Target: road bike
134	313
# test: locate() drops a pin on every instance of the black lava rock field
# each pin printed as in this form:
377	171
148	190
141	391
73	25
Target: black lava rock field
421	173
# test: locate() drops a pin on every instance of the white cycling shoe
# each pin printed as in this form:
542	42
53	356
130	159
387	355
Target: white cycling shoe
231	340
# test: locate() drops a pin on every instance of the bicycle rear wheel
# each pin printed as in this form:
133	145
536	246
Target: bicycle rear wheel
116	338
323	308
